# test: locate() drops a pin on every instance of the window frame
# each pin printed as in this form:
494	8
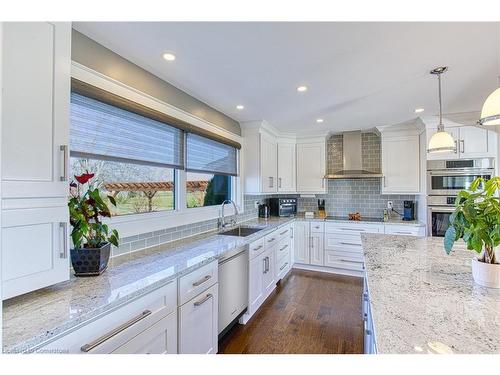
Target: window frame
134	224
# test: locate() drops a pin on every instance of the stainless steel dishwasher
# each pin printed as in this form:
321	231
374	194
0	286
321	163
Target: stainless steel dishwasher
233	286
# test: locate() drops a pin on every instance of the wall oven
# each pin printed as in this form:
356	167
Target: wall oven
439	209
448	177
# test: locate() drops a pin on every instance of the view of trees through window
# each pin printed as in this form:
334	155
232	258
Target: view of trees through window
137	188
204	189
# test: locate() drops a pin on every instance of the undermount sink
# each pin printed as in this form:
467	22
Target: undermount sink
241	231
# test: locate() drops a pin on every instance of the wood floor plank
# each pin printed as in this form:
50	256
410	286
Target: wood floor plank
309	312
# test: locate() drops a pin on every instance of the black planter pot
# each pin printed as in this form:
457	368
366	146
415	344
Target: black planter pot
90	262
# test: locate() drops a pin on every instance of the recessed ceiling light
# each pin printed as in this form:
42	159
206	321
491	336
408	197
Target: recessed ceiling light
319	120
169	56
302	88
419	110
240	107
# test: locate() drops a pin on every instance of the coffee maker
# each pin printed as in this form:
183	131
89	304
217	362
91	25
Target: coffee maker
409	210
264	211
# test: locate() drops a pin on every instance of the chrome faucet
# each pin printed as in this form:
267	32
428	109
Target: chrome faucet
221	223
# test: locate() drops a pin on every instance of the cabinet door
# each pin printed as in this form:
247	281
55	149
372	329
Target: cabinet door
311	167
286	167
268	278
400	164
301	243
256	269
198	319
474	142
443	155
269	164
160	338
35	248
35	105
317	249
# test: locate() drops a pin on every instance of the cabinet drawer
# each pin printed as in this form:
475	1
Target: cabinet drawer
271	239
282	267
346	254
194	283
317	227
256	248
160	338
113	329
353	228
284	232
405	230
283	248
333	259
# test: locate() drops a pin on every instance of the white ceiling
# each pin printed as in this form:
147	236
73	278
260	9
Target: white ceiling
359	75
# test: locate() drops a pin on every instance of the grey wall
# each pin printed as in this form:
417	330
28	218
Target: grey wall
97	57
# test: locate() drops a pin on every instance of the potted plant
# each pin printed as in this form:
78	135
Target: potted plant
476	220
91	238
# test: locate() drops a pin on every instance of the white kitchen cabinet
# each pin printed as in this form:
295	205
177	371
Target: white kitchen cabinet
35	109
286	168
301	242
269	164
311	167
35	127
268	278
160	338
400	163
470	142
198	320
256	269
317	249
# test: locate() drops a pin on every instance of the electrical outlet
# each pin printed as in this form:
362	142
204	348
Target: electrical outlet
389	205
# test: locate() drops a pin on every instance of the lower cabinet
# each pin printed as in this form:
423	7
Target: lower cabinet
198	323
302	242
317	249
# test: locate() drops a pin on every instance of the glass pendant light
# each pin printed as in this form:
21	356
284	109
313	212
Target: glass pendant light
490	115
441	141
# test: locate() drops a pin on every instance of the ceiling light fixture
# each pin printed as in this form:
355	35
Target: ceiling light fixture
441	141
490	114
239	107
419	110
302	88
169	56
319	120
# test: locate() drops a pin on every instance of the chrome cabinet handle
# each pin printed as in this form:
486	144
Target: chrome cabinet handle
351	261
403	232
282	233
201	281
283	266
271	182
463	146
88	347
322	182
353	229
385	185
258	248
284	247
456	146
265	265
207	297
268	264
271	239
316	227
350	243
64	174
63	254
279	182
291	232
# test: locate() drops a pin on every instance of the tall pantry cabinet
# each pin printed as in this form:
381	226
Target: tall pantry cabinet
36	62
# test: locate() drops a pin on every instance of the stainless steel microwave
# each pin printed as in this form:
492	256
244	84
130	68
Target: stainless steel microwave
448	177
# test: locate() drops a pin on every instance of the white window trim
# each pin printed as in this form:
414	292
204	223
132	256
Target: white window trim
129	225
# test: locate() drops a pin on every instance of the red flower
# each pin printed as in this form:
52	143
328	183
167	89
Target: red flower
84	178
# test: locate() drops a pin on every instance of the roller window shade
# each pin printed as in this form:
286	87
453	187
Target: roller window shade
209	156
102	131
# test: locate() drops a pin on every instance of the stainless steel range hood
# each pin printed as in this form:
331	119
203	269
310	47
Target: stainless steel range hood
352	161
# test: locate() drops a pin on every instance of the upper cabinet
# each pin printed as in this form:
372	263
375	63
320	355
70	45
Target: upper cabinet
311	166
268	164
470	142
286	167
400	162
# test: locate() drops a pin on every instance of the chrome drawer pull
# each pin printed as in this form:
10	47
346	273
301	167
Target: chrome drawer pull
271	240
258	248
207	297
199	282
284	247
284	232
64	253
350	243
351	261
283	266
404	232
64	174
353	229
88	347
316	227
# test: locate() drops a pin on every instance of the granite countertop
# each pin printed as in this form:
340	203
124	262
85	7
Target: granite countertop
423	300
33	318
336	219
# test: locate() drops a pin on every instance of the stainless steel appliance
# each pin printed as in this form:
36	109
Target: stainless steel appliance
439	209
448	177
263	210
283	206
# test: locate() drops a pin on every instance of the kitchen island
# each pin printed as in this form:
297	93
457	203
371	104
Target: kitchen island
424	301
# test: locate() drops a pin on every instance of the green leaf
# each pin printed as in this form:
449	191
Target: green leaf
449	239
112	200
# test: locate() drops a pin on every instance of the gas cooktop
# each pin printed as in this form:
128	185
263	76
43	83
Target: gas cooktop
343	218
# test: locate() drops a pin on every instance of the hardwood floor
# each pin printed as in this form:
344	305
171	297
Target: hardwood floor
309	312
